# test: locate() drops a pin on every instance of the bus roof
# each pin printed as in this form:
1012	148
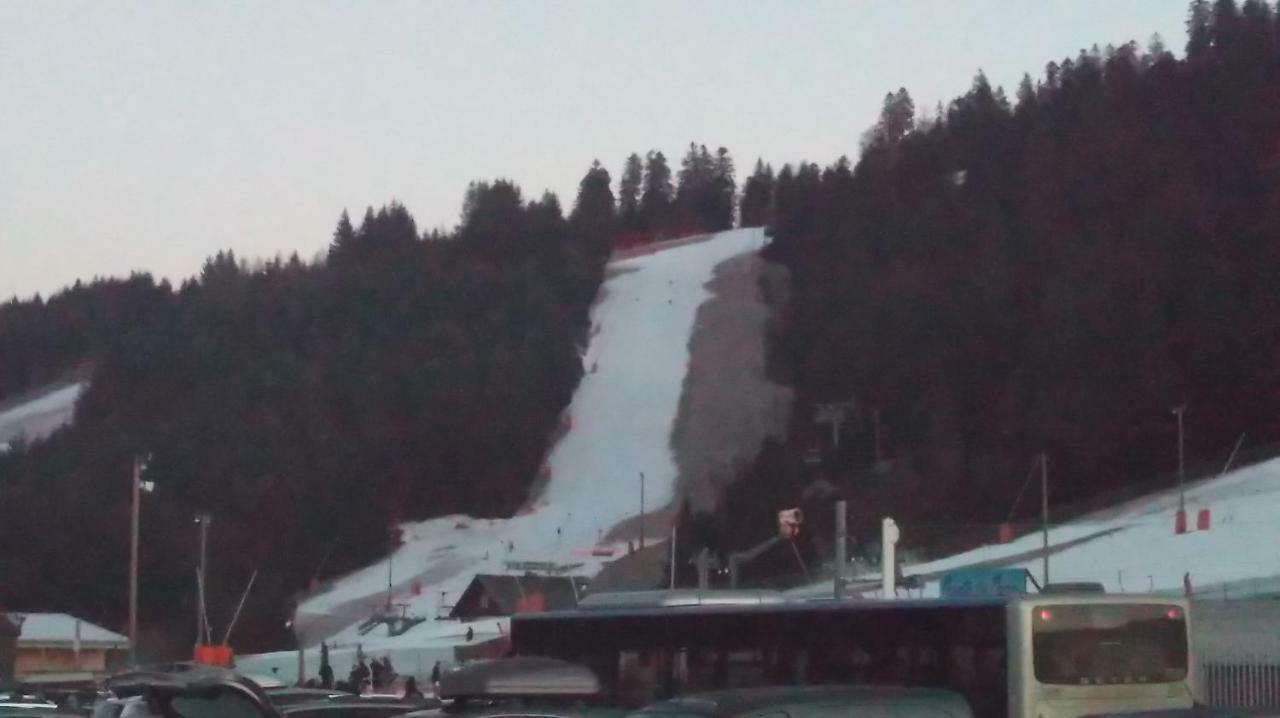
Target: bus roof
681	602
620	607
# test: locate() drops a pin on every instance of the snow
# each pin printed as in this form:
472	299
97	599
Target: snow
40	417
60	628
621	421
1132	547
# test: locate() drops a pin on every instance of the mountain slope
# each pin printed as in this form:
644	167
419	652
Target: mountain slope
619	424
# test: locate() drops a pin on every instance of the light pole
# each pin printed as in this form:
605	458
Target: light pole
202	637
138	486
1182	473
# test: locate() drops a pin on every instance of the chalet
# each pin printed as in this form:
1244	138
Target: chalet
56	647
505	595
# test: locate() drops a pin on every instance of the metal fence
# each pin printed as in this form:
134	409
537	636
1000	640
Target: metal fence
1237	649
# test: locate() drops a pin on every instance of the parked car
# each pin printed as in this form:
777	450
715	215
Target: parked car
814	702
186	691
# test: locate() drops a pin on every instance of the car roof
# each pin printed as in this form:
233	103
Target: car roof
187	679
745	700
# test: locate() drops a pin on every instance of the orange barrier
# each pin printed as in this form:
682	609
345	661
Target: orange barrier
214	655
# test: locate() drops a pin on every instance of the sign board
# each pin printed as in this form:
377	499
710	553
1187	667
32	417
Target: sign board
549	567
984	582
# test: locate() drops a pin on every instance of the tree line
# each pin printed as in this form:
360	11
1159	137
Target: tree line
1052	272
308	406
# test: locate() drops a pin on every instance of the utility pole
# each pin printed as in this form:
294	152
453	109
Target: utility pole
641	509
1182	474
202	611
1044	513
833	413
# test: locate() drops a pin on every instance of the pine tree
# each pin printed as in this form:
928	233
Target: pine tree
723	192
656	200
1199	32
1026	97
344	236
594	218
595	196
629	188
757	197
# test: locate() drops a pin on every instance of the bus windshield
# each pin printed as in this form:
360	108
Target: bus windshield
1101	644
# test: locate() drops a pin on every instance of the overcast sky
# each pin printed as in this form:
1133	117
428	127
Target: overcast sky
148	135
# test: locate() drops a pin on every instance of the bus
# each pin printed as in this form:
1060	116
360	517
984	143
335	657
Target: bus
1045	655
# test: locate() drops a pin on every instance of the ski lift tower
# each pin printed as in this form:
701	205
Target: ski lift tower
833	413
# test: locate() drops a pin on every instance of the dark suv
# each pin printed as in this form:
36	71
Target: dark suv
190	691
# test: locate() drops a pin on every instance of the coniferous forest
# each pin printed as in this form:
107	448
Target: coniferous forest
1049	272
311	406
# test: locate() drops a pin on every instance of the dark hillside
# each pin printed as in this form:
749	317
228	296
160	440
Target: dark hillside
306	407
1053	272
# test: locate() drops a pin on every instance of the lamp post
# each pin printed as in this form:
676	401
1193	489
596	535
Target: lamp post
202	637
138	486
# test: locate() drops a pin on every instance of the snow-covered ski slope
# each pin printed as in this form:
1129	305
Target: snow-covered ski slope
1133	548
620	424
39	417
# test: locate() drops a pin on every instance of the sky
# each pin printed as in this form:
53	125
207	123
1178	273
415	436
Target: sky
146	136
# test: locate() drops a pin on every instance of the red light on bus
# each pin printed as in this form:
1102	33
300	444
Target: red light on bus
1045	614
1173	614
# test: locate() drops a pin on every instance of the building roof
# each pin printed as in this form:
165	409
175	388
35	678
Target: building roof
558	592
58	630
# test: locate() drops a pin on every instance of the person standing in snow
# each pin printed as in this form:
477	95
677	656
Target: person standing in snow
326	670
375	670
470	634
359	674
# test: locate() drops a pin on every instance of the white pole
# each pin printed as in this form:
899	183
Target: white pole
889	536
226	639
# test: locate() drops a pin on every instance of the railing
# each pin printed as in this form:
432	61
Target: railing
1237	651
1251	681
